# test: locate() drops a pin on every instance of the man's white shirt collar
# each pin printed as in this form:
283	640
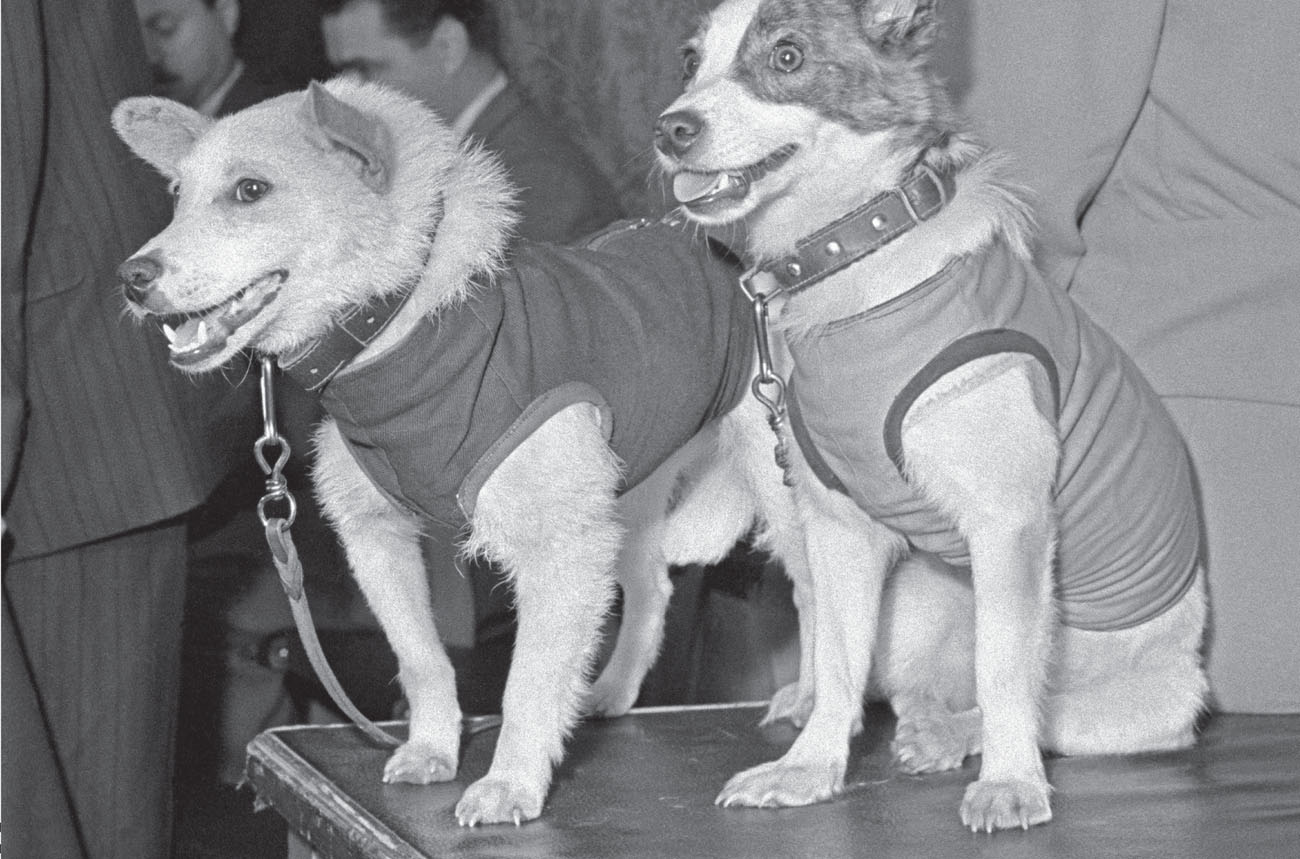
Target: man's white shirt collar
209	105
478	104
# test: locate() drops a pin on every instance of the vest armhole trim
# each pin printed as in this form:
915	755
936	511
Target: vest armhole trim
538	412
962	351
816	462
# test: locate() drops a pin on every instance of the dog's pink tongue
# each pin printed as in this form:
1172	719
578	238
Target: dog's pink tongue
692	186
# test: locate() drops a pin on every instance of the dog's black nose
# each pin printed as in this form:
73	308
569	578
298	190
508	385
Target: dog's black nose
137	276
676	131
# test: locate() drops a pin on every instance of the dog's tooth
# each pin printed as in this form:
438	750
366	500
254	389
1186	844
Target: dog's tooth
170	333
202	334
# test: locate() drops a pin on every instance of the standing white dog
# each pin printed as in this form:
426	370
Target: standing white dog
344	231
954	409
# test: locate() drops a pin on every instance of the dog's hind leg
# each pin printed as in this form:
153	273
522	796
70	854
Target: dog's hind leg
548	515
924	664
1129	690
642	574
794	701
781	534
744	491
848	556
382	545
714	504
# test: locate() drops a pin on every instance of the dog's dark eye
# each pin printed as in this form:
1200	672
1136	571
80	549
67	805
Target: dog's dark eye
250	190
690	63
786	57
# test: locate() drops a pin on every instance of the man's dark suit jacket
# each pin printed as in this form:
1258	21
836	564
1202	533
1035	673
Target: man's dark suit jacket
563	196
115	438
101	437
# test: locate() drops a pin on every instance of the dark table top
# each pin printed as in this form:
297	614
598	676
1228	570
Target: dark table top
643	786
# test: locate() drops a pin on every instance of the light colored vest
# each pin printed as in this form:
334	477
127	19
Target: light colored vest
1128	522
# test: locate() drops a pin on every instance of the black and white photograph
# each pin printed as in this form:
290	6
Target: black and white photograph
650	429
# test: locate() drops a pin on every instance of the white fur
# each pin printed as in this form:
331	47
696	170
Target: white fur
968	666
347	218
722	485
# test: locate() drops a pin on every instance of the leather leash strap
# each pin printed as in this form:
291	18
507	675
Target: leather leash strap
287	564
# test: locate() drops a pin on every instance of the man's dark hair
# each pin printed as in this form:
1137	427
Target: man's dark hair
415	19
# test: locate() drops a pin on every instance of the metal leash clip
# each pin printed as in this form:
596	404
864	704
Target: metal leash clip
277	487
766	377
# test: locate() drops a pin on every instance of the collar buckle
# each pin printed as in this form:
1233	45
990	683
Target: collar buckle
768	286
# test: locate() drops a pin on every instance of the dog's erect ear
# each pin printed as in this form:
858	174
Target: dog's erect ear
159	130
900	24
335	125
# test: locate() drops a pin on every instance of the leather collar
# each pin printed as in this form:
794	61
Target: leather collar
862	231
316	363
319	360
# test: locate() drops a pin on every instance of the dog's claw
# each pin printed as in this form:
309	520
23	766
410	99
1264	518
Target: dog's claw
499	800
792	702
993	805
927	746
419	763
778	785
607	700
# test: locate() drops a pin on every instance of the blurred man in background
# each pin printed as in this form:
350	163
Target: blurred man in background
444	54
191	52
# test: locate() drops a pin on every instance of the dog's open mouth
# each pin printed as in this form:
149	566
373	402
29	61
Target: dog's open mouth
698	191
200	334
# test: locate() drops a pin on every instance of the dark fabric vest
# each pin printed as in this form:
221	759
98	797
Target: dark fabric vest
642	321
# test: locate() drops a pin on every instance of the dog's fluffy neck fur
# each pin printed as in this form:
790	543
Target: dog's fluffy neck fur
470	238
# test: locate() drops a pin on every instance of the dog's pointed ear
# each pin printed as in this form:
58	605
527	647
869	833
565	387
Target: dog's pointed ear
335	125
159	130
901	24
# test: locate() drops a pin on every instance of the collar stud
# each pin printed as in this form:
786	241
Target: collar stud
864	230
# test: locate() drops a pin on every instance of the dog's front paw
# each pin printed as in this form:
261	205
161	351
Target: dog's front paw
930	745
498	800
609	698
777	784
990	805
792	701
419	763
